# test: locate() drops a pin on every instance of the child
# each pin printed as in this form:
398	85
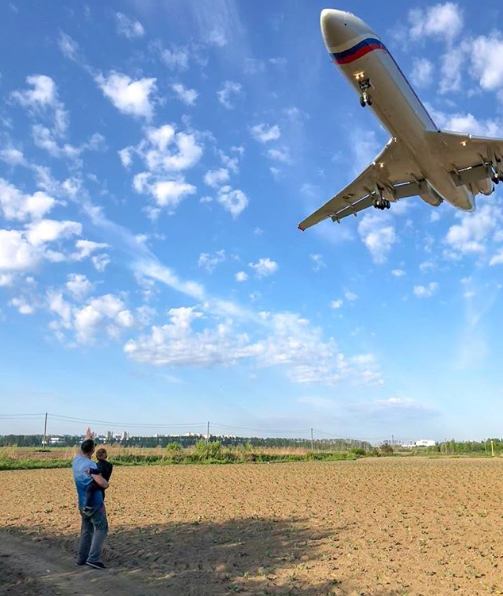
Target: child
105	468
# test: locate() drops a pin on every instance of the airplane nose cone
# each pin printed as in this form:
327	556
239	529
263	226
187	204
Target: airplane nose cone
335	27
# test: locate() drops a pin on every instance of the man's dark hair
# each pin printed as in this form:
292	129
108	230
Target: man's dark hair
87	446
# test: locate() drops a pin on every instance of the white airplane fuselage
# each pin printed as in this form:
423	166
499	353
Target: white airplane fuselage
361	56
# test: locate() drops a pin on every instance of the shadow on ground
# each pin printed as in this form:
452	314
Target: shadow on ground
254	556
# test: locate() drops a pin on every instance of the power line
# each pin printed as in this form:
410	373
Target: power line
129	424
311	433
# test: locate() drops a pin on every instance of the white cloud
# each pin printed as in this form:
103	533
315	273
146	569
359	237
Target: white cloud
351	296
422	72
125	156
241	276
398	272
232	163
15	205
128	27
336	304
378	234
68	47
264	267
464	122
104	313
487	60
188	96
228	93
497	259
452	63
22	305
216	178
289	341
164	149
280	154
50	230
170	193
79	286
475	229
177	58
12	156
166	153
210	262
100	262
6	279
127	95
16	253
216	37
265	133
232	200
86	248
441	21
426	291
24	250
318	262
43	98
42	94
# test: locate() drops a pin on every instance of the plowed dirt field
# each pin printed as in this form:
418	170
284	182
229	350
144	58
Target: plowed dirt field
379	527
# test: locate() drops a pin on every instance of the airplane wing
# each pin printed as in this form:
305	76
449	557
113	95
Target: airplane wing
467	155
391	175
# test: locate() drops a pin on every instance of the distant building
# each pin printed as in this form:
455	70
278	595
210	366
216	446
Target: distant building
56	440
425	443
124	436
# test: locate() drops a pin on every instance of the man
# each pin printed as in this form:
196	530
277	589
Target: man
94	526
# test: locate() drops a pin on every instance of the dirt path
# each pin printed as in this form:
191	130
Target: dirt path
28	568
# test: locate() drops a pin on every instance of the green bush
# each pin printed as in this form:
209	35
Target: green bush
207	450
173	447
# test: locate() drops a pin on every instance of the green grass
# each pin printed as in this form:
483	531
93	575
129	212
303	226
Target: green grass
33	464
181	457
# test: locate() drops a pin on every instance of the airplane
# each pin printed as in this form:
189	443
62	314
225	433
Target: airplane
419	159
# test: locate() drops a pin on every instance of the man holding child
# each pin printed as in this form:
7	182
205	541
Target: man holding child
91	480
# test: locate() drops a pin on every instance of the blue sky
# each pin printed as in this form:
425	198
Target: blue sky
156	159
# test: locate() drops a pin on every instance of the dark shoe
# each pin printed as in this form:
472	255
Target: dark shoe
79	564
87	512
97	565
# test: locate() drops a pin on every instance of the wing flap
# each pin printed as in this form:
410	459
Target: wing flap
460	151
392	172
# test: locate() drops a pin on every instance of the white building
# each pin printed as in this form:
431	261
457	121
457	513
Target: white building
425	443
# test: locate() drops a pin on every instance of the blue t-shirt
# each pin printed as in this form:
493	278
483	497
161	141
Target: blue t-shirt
81	467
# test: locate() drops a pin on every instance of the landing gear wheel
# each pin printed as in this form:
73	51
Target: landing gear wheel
382	204
495	178
364	97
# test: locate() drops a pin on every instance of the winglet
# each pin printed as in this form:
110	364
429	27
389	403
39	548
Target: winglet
301	228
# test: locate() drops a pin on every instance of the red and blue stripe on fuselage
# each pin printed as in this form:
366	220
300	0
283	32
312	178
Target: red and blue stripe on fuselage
364	47
360	49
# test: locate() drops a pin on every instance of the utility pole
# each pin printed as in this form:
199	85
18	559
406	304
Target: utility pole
208	433
44	440
492	448
312	440
392	440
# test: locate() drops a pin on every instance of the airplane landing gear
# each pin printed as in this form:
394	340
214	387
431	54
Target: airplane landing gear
365	99
382	204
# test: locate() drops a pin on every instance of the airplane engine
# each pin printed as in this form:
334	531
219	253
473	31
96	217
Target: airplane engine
484	186
429	194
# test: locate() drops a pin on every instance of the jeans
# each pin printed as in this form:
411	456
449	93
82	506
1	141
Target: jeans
92	536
